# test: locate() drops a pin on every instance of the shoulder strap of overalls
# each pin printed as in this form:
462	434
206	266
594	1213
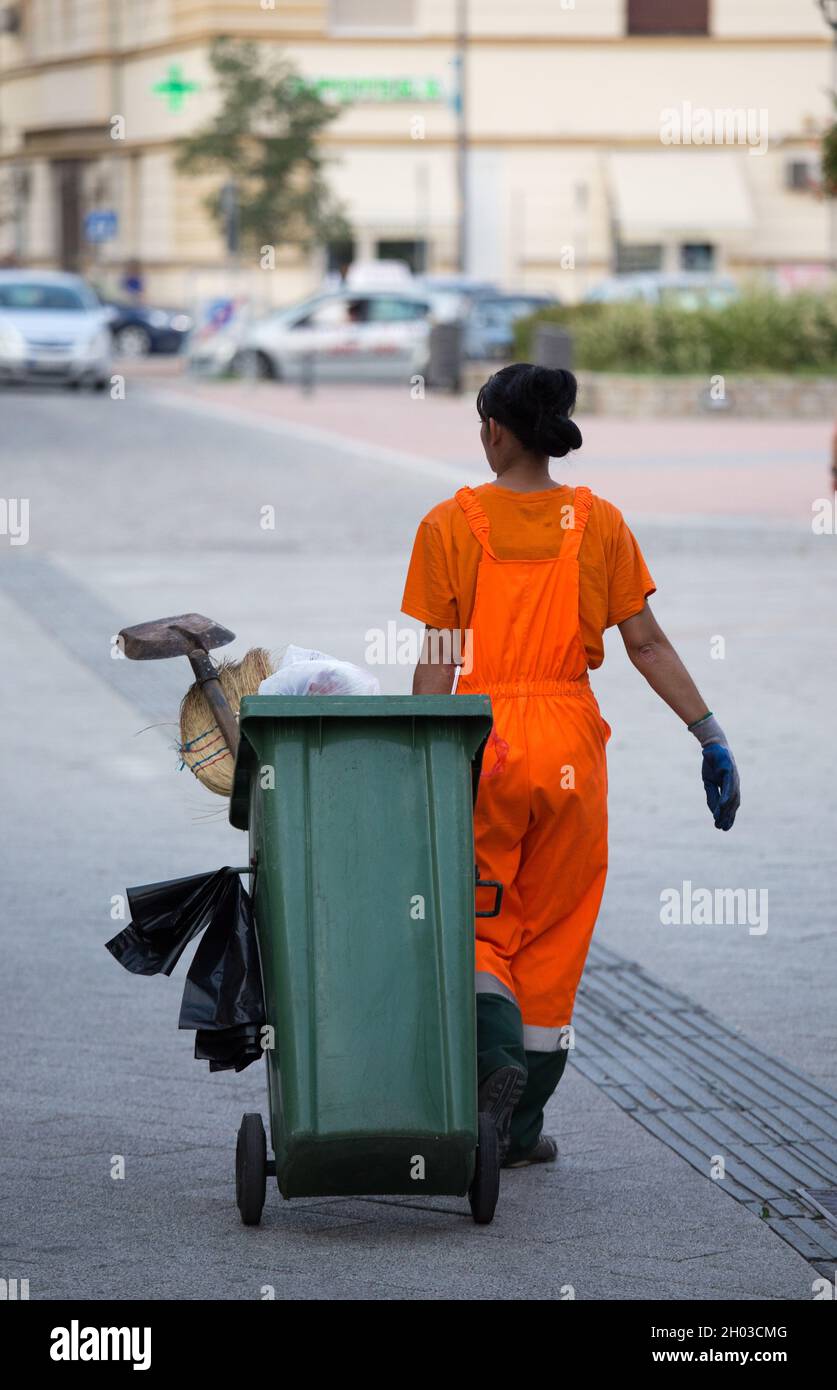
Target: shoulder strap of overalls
476	518
479	524
581	504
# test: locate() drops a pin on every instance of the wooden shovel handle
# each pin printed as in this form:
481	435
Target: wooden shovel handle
206	674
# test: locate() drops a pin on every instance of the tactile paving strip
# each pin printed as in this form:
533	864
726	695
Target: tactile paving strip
704	1091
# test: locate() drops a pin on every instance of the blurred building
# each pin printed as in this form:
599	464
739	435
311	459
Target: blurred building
586	121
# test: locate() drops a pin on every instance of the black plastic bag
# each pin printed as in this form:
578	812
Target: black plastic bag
229	1048
223	999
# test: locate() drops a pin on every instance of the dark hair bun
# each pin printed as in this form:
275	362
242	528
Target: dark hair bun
535	403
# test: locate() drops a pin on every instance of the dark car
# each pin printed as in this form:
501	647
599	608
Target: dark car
138	329
489	328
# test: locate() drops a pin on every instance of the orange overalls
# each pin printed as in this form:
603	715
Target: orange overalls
540	824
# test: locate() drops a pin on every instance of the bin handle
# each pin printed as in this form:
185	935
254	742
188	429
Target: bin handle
252	869
498	892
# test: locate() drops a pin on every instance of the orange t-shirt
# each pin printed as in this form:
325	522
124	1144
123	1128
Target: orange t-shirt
442	578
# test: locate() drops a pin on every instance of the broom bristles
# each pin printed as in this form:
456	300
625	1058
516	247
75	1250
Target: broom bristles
202	745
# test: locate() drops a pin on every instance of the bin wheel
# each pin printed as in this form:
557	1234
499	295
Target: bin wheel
485	1189
251	1169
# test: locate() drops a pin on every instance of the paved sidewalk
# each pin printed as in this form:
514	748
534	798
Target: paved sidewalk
95	1067
141	509
716	467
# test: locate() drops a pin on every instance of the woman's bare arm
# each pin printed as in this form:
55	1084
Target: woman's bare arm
653	655
434	675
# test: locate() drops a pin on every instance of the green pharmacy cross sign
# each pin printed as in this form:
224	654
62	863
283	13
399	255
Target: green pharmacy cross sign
175	87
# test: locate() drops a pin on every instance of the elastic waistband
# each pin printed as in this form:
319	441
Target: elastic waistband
468	686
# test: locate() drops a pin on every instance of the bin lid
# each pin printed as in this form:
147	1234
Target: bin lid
472	709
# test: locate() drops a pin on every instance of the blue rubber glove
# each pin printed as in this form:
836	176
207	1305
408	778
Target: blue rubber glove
719	773
723	789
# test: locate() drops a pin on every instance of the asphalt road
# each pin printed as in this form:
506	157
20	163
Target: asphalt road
150	506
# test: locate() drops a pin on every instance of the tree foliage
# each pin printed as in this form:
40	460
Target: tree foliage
264	137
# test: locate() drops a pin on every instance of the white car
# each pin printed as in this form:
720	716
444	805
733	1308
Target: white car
378	275
345	335
52	328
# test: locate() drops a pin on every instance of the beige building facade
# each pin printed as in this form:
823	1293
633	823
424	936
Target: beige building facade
597	139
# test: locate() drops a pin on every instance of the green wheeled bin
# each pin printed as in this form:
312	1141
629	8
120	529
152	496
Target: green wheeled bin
360	816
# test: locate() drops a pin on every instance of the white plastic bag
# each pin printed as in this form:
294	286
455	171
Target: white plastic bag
303	671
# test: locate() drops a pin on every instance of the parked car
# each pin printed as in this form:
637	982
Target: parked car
688	289
467	286
343	335
489	327
138	330
378	275
52	328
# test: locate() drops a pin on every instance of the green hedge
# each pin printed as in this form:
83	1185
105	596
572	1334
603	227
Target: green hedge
757	333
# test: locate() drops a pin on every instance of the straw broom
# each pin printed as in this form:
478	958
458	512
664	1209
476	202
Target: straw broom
202	746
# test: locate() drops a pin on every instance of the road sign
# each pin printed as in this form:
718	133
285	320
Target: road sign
101	225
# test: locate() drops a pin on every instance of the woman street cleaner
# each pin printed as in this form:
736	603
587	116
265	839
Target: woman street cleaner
536	571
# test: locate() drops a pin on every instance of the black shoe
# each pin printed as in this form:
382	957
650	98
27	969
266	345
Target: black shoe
545	1151
497	1096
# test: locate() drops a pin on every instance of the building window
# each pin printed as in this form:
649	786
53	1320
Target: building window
668	16
369	16
802	176
413	252
635	259
697	255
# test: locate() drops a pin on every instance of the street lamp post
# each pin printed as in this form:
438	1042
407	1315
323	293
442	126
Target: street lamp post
462	131
829	9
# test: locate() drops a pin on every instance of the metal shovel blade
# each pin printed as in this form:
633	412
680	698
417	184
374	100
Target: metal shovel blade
173	637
